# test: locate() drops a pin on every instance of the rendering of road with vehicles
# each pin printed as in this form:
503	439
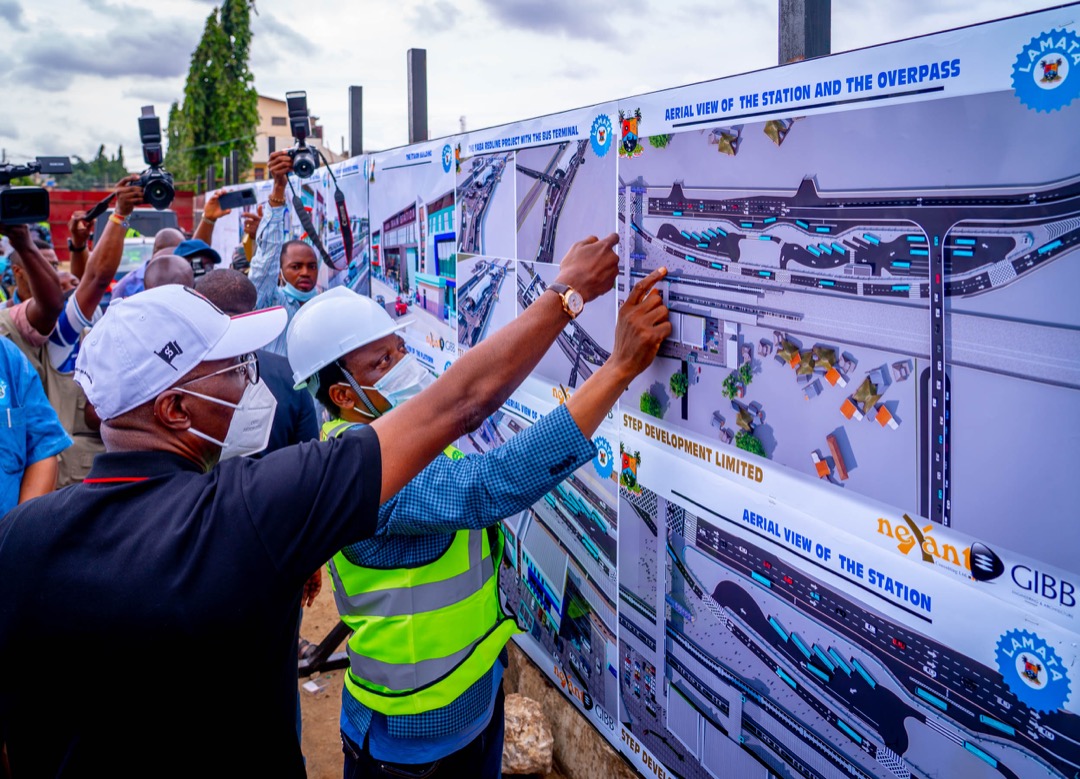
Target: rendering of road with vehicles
831	652
477	298
904	248
558	177
581	349
474	196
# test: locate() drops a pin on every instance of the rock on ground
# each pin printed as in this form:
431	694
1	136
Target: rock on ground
527	747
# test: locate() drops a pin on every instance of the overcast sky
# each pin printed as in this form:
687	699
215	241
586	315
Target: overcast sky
75	72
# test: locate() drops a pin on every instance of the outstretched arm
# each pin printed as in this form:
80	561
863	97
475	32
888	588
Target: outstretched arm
211	213
47	302
476	385
79	231
480	490
266	264
108	251
642	326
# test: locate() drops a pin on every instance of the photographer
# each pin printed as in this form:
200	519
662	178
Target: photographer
54	346
284	274
36	300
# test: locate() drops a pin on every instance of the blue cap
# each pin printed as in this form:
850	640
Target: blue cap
196	248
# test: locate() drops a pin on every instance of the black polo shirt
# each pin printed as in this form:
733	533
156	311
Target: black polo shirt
148	615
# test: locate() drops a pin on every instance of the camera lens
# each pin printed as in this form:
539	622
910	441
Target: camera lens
304	164
158	194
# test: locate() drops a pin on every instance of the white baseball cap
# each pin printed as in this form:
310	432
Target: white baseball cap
146	343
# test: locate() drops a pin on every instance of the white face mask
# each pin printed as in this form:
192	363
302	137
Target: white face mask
405	380
253	417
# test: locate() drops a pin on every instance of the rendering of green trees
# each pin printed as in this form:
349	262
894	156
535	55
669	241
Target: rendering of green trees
659	141
741	377
730	387
679	384
650	405
749	442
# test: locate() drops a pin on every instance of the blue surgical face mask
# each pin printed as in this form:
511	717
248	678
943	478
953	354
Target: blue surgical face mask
295	294
405	380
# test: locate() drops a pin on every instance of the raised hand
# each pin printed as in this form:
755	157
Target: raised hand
590	267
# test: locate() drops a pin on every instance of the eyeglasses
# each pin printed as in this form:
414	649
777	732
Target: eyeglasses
248	367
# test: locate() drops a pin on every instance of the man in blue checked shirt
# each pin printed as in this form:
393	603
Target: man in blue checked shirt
423	693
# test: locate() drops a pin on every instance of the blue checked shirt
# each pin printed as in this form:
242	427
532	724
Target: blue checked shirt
417	525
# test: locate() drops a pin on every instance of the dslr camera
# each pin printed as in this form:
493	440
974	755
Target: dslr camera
27	205
304	159
156	182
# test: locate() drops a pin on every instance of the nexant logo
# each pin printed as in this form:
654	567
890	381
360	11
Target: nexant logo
912	535
985	565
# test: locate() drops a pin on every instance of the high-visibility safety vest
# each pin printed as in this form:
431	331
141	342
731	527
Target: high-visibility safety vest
421	636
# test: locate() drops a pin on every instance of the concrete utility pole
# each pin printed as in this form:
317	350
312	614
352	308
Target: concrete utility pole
805	29
418	125
356	121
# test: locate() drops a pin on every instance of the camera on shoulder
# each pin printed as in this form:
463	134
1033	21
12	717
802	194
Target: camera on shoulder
304	159
27	205
156	182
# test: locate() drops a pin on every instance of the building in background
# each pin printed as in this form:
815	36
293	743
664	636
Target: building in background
274	134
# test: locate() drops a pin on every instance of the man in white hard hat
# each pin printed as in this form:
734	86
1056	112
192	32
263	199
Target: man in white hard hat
423	694
129	584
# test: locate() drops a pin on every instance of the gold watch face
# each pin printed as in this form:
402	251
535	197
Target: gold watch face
574	301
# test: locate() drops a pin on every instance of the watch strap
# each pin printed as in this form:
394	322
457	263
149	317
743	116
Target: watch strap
563	291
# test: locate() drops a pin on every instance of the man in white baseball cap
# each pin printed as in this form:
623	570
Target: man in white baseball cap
128	585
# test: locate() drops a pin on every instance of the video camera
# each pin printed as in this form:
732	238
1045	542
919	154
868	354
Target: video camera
27	205
304	159
157	183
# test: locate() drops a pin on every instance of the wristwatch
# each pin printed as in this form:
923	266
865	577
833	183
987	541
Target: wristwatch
73	248
572	302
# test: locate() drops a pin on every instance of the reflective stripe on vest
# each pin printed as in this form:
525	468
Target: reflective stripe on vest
336	427
421	636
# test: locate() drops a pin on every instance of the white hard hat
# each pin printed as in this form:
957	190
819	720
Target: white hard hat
331	325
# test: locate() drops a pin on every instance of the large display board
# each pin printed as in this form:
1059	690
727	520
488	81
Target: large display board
829	533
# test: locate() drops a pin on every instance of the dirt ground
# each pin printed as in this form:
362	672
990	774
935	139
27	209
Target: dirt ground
320	734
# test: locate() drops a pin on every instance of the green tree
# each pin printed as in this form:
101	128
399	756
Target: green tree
746	373
679	384
220	111
242	105
659	141
650	405
101	172
730	386
175	157
750	443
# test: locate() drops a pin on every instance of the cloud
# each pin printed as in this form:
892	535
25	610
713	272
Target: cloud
160	94
11	12
158	50
437	16
581	19
8	130
285	34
